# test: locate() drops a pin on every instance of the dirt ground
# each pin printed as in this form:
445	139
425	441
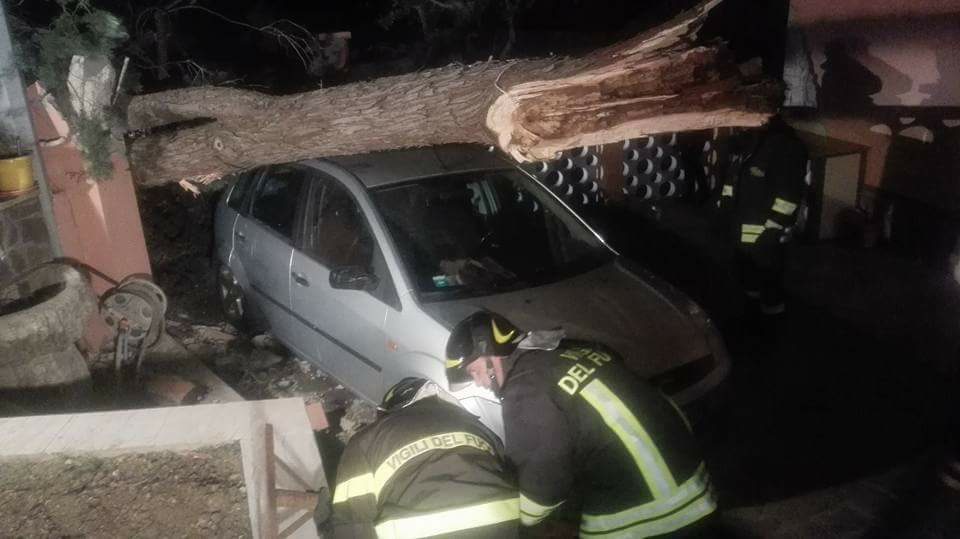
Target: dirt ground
198	493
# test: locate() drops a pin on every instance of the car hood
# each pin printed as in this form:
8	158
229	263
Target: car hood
643	320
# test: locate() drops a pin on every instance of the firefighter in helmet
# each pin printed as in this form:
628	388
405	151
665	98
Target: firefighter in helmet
425	468
581	428
762	198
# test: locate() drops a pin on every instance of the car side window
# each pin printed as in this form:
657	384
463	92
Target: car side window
241	188
277	197
338	235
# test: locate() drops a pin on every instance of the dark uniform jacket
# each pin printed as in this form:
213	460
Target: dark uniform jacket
577	420
765	184
428	470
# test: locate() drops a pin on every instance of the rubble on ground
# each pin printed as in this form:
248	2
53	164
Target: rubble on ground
175	390
259	367
358	415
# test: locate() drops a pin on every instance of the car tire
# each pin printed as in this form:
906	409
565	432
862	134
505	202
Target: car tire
233	301
48	308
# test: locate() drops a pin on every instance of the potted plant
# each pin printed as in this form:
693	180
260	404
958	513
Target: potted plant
16	169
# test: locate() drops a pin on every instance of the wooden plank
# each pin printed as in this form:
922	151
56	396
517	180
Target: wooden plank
268	524
295	499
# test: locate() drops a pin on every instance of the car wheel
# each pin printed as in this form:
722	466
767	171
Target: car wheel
231	297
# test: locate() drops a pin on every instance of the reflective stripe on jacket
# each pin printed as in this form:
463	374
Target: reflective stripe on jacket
765	185
579	423
428	470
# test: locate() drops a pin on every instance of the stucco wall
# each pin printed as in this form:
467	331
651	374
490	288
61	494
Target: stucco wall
805	12
903	61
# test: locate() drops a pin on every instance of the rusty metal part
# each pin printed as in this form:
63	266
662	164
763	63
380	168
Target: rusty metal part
136	310
138	303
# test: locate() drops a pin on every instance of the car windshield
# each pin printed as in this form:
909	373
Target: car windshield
482	232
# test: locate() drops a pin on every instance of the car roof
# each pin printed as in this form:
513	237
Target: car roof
395	166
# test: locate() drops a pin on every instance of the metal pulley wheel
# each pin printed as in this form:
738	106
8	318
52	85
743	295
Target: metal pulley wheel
138	306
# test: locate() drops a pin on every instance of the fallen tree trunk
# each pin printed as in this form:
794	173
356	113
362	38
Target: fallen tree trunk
656	82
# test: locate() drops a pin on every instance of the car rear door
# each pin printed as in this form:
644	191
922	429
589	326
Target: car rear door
229	209
265	242
343	328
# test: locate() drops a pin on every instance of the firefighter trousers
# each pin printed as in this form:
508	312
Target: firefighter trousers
761	269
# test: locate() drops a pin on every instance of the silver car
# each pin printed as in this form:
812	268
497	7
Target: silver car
362	265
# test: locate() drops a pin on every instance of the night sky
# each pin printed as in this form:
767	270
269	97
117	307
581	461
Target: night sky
247	58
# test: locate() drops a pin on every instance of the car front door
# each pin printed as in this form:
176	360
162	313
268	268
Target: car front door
342	319
265	240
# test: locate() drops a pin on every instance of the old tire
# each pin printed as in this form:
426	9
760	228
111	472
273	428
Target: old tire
43	313
54	370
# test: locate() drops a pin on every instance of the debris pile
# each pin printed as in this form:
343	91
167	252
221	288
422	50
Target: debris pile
358	415
262	368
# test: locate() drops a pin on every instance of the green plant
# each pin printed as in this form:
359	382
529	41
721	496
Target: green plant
95	142
45	54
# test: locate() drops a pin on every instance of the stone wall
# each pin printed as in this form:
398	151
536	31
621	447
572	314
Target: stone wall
24	241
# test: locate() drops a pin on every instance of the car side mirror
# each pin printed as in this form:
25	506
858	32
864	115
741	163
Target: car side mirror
353	278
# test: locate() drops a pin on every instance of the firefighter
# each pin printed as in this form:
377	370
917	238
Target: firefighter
426	468
582	428
761	197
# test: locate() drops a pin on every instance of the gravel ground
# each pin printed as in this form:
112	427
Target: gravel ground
163	494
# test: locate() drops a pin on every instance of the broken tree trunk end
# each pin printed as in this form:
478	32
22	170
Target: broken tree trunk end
659	81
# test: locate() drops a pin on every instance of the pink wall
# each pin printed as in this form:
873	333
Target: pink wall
98	221
916	61
804	12
884	74
911	48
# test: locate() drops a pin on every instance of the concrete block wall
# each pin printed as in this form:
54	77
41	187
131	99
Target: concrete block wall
24	240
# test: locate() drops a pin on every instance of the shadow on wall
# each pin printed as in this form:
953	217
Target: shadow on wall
853	78
914	158
846	84
948	72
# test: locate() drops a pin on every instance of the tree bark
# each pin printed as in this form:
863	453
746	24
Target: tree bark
656	82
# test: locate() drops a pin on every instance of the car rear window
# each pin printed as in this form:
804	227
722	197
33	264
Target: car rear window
278	195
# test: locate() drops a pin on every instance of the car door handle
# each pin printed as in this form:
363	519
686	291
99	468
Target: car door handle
240	236
300	278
